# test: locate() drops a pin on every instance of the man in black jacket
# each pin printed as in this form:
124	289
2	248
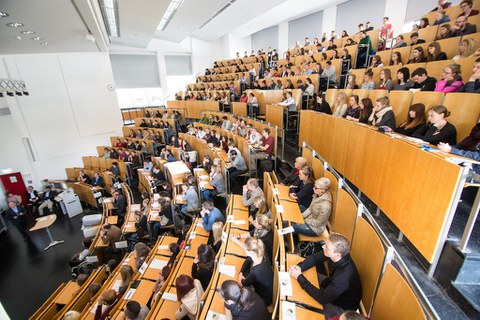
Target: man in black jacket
462	27
342	289
47	200
292	178
422	80
17	214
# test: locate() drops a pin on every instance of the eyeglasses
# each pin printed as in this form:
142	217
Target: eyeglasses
446	72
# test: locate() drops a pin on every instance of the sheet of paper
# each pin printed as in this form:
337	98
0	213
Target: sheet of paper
215	316
91	259
125	262
163	247
135	207
129	294
158	264
230	218
286	230
285	284
239	222
143	268
227	270
224	236
199	224
279	208
275	191
107	200
116	285
192	235
169	296
288	310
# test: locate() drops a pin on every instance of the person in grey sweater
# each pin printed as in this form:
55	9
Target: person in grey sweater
250	191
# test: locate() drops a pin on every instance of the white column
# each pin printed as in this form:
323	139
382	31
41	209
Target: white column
396	11
329	21
282	38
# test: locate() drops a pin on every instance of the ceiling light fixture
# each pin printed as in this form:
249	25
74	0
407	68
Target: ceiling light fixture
27	32
46	43
15	24
3	14
167	17
38	38
109	10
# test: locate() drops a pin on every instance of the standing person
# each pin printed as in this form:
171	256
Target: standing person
13	197
17	215
340	291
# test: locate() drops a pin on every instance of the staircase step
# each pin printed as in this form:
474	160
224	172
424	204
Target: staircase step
471	293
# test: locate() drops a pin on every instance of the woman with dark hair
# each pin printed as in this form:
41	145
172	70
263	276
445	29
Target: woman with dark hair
346	61
241	303
202	267
366	109
140	253
126	276
404	82
437	129
189	293
468	147
303	191
435	52
418	55
353	111
321	105
416	119
396	59
423	23
162	277
451	79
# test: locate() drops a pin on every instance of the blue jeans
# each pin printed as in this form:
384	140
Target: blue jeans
302	207
303	229
207	195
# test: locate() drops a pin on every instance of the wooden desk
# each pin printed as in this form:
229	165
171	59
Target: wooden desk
143	292
234	248
291	212
152	271
167	308
299	294
46	222
302	313
237	203
230	260
165	241
184	267
200	230
239	215
194	244
283	192
67	293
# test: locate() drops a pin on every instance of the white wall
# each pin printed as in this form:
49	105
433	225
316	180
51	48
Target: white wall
69	112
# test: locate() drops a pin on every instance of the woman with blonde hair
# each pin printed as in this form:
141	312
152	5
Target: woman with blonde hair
341	105
256	271
451	79
437	129
260	203
262	230
303	191
467	48
351	82
126	274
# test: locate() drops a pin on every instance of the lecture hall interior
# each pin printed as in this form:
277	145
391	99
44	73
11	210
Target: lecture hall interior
239	159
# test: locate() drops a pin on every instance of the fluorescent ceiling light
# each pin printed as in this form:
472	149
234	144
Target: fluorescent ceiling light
110	16
46	43
15	24
38	38
167	17
3	14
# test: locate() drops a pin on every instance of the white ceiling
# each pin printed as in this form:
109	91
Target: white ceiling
65	23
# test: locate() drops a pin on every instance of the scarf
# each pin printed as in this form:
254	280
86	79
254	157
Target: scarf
377	116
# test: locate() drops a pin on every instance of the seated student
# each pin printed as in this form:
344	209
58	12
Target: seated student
162	277
289	102
141	226
467	11
382	114
210	215
366	108
386	82
351	82
215	241
109	235
422	82
343	289
451	79
418	56
126	276
364	48
437	129
292	178
189	293
467	48
441	17
256	271
165	216
107	301
468	147
191	196
317	214
264	150
13	197
353	111
119	204
202	267
350	315
251	190
134	311
242	303
158	176
396	59
321	105
303	191
260	207
416	119
140	254
415	40
226	124
376	62
330	74
254	137
399	42
462	27
341	105
442	5
252	105
98	181
262	230
83	177
367	80
216	180
403	82
473	84
238	167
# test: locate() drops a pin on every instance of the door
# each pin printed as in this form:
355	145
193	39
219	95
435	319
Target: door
13	182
